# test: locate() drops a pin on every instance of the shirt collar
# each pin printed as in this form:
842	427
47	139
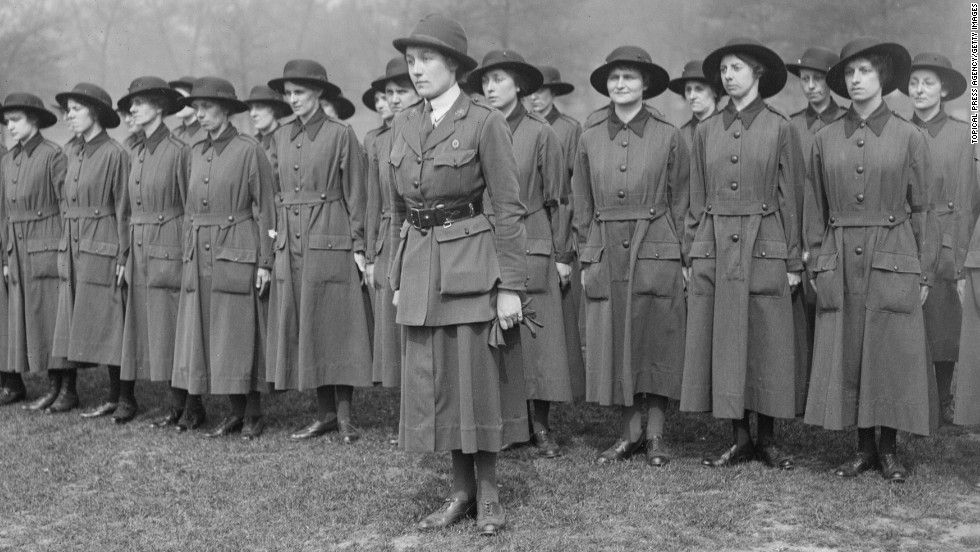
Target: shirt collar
151	142
91	146
312	127
222	141
636	124
553	115
444	102
933	125
747	114
30	145
876	121
516	116
826	116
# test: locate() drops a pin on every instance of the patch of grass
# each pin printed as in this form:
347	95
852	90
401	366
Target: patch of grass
74	484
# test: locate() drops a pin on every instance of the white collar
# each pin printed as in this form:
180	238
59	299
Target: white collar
442	103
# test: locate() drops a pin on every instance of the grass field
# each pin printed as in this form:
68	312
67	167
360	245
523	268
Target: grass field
74	484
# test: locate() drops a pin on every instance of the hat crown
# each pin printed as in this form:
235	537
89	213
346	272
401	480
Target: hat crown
304	69
693	70
396	66
858	45
214	87
629	53
502	56
818	58
551	74
442	29
147	83
931	59
24	99
92	91
262	93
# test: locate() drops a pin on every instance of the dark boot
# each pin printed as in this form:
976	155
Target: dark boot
68	397
48	398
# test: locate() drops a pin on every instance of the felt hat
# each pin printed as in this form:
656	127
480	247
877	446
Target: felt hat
186	83
900	63
507	60
953	81
151	86
95	97
367	98
305	72
439	33
552	80
218	90
773	78
396	69
263	95
344	107
636	57
692	72
816	59
28	103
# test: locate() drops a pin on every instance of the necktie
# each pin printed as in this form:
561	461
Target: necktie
426	122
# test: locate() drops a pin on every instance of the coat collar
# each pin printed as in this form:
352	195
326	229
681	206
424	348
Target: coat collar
222	141
91	146
191	129
151	142
30	146
747	114
876	122
312	127
447	125
827	116
553	115
516	116
637	124
934	125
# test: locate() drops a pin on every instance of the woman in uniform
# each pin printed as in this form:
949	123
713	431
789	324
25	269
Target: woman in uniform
227	260
874	245
630	192
94	249
319	248
157	187
953	193
457	279
699	94
266	108
505	79
743	245
189	130
32	175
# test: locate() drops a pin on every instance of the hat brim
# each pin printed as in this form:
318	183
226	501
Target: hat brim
773	78
380	84
529	73
367	98
559	88
105	113
953	80
45	118
345	108
795	68
466	63
169	94
280	110
901	65
678	85
330	90
657	76
234	106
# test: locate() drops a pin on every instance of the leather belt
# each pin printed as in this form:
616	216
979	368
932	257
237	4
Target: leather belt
311	198
630	212
224	220
440	215
40	214
730	207
95	212
156	217
869	218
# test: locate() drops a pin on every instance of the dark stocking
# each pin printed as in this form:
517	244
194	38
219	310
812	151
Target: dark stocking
464	476
886	440
866	440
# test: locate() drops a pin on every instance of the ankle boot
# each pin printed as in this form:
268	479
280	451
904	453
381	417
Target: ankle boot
45	400
68	397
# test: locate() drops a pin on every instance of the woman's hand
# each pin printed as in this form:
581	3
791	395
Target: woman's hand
369	274
794	279
394	298
564	274
686	273
120	274
923	293
360	260
6	276
960	286
508	309
262	278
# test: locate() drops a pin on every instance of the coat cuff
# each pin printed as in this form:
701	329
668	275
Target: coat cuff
927	278
794	265
565	258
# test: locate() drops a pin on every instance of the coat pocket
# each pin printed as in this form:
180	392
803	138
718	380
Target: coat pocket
539	262
467	258
42	254
96	262
280	266
829	284
767	277
329	259
234	270
163	266
658	270
595	273
893	284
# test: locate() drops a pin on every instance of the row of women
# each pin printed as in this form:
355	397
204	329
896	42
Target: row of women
232	265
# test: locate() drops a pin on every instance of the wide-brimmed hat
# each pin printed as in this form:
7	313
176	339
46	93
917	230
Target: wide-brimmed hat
28	103
263	95
367	98
151	86
344	107
95	97
186	82
817	59
637	57
507	60
215	89
305	72
953	81
693	71
439	33
552	80
396	69
899	64
773	78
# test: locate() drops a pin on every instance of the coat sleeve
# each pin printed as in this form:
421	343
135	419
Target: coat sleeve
353	178
119	175
791	178
582	202
678	182
554	176
183	172
815	206
260	186
925	225
697	194
499	167
967	204
372	216
397	219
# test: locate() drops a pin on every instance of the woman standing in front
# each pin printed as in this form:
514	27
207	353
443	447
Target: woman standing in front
743	245
227	261
94	249
32	175
630	189
457	279
874	244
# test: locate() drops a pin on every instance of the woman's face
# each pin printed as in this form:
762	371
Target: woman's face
81	119
382	107
862	80
263	117
142	113
737	77
303	101
432	73
19	125
925	89
625	85
210	114
700	97
500	89
542	100
814	86
400	96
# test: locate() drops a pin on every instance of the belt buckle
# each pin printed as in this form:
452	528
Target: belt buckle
414	218
448	222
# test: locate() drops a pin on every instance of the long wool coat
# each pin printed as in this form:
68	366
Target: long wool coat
220	342
157	189
91	304
318	315
630	190
32	175
742	237
458	392
873	239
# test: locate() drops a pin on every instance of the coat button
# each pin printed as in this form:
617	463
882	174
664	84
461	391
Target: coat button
297	235
139	244
296	189
737	134
891	218
138	202
160	217
416	183
231	218
860	169
296	211
206	180
295	167
622	168
832	220
656	255
74	198
597	215
625	143
734	159
765	206
209	158
763	253
653	211
734	185
39	213
137	181
863	124
418	160
323	196
708	208
204	202
207	246
858	250
528	251
299	145
950	204
621	194
734	237
467	232
15	180
895	268
860	143
96	211
329	246
859	198
626	244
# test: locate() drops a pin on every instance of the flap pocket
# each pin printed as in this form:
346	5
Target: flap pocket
972	259
658	250
41	244
770	249
164	252
702	249
947	240
331	241
462	229
590	253
825	262
538	246
895	262
453	158
98	248
396	157
235	255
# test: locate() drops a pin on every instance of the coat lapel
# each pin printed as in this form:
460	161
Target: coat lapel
410	132
446	127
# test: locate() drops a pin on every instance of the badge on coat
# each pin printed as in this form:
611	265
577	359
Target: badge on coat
455	144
